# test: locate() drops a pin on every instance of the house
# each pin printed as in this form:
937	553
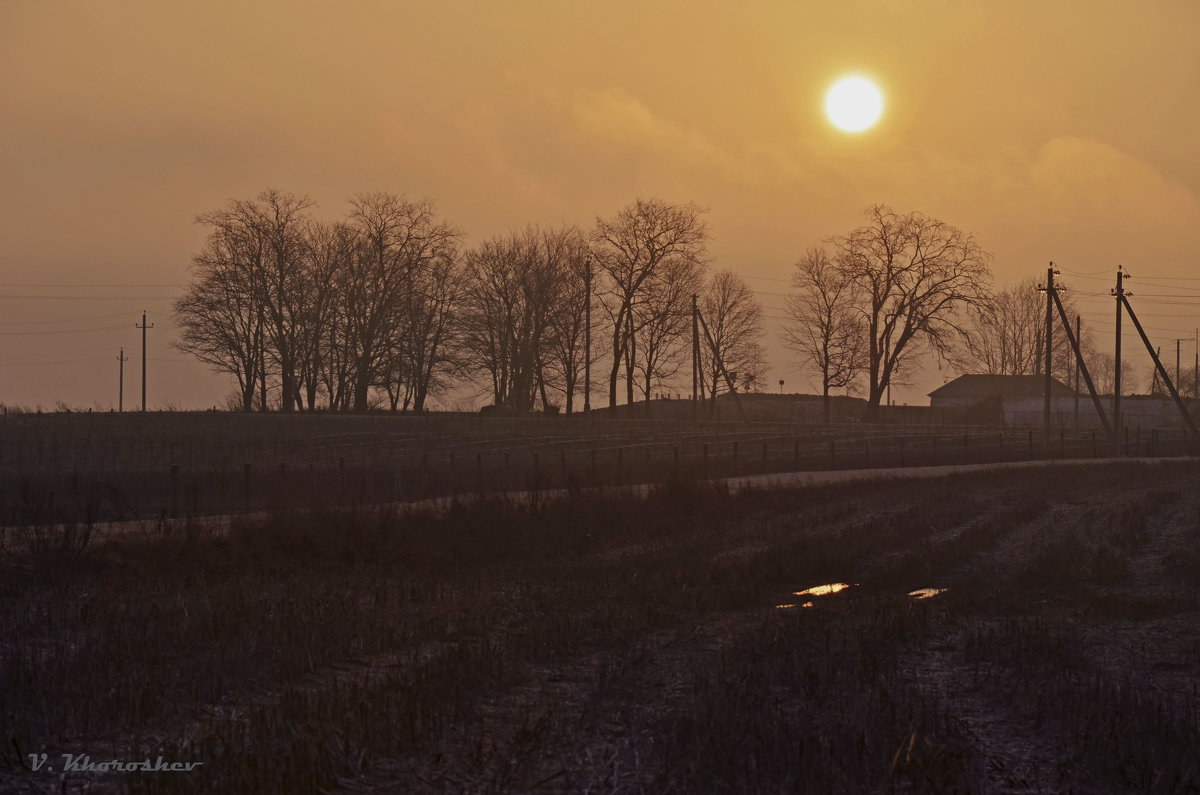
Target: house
1020	400
989	399
970	390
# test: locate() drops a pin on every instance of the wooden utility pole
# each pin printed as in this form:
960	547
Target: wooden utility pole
587	338
695	354
1049	357
1077	376
143	327
121	358
1119	292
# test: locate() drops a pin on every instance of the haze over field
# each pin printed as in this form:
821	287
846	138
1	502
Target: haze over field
1059	132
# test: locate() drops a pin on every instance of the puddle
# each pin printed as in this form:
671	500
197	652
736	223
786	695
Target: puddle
925	593
823	590
816	590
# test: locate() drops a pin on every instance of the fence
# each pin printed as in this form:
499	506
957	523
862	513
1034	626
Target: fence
414	463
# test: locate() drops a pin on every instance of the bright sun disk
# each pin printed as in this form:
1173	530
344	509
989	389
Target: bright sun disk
853	104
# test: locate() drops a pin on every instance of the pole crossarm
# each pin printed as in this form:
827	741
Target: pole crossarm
1162	371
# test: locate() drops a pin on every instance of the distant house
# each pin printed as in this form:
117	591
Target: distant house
971	390
995	399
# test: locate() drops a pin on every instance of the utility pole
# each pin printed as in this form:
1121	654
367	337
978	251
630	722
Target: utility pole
1196	369
143	327
1178	372
1049	349
695	354
1077	376
1119	292
122	358
587	338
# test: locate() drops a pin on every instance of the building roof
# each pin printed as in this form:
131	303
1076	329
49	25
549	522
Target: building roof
985	386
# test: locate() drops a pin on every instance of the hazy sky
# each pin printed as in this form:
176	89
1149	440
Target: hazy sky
1061	131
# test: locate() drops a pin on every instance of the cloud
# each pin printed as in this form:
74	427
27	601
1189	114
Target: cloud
616	118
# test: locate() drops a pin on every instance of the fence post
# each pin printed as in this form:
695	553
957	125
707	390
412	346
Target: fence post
966	448
593	457
174	490
901	451
675	454
796	453
620	462
246	488
479	473
706	460
1031	443
832	454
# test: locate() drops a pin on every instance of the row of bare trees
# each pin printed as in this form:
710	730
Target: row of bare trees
388	305
870	302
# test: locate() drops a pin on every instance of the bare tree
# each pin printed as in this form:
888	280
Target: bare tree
734	319
428	341
218	312
256	260
281	220
661	322
1006	335
396	238
629	249
330	250
565	356
1101	368
827	329
508	299
914	275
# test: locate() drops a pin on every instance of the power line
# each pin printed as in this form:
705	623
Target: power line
75	285
58	331
89	297
68	320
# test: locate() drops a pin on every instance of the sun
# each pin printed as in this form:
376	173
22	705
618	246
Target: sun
853	104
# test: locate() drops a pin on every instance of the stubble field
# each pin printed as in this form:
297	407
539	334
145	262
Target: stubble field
1006	630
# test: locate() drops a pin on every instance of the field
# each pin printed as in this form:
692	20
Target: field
89	469
1015	630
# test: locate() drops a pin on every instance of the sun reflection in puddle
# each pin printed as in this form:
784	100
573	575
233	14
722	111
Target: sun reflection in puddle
823	590
925	593
816	590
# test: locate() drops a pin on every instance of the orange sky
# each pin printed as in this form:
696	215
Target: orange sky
1057	131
